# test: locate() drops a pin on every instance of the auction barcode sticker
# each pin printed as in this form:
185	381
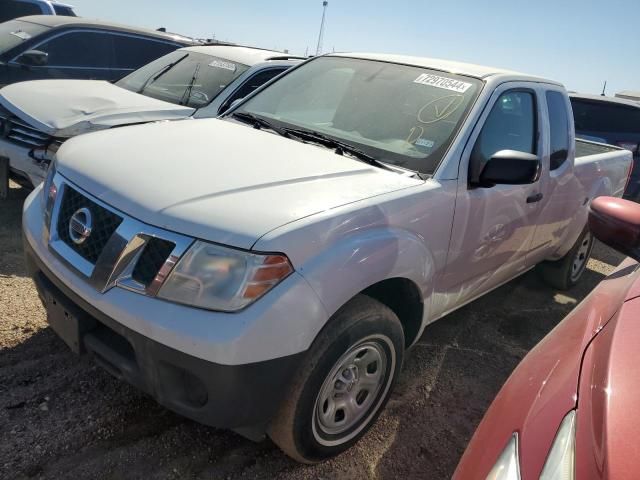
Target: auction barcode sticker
443	82
225	65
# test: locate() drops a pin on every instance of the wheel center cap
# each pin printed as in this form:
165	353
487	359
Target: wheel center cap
354	377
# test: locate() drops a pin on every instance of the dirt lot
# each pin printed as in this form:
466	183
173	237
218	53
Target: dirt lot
61	417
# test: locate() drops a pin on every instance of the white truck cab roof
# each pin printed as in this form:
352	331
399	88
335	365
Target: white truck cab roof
460	68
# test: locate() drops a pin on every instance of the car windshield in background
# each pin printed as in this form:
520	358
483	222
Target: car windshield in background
184	78
401	115
601	117
15	32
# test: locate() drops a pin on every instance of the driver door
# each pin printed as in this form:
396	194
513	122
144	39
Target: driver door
493	227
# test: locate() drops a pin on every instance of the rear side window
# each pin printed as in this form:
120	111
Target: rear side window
601	117
10	9
511	125
134	52
254	83
79	49
559	124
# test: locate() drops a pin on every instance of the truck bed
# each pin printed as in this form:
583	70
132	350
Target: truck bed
584	148
603	169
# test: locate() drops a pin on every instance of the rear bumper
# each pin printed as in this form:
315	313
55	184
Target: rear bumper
225	396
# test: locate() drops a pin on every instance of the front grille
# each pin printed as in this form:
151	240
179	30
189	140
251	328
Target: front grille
21	133
104	224
155	253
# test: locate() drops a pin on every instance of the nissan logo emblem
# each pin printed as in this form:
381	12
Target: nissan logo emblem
80	226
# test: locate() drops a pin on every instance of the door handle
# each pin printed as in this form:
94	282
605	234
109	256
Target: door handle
534	198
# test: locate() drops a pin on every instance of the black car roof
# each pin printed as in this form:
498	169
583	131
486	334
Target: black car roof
57	21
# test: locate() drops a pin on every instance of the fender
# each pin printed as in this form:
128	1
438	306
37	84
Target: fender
341	252
343	270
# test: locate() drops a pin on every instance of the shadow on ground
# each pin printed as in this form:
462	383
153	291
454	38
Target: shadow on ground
11	260
458	367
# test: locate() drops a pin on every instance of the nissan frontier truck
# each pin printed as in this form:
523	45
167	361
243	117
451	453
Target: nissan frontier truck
267	271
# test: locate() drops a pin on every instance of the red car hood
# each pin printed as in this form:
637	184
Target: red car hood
544	387
608	425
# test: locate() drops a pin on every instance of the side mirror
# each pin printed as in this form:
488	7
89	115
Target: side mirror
616	223
33	58
510	167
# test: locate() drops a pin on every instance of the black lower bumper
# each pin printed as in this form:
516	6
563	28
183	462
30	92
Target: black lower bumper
242	397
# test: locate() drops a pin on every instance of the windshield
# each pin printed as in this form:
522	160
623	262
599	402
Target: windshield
15	32
402	115
194	80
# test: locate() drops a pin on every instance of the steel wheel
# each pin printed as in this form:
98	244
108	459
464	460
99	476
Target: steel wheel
343	384
350	394
581	257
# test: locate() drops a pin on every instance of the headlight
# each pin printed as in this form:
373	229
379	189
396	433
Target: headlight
507	467
49	194
560	464
220	278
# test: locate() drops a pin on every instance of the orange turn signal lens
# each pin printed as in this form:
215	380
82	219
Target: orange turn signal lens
274	269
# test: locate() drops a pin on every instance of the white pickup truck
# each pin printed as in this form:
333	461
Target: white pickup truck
266	271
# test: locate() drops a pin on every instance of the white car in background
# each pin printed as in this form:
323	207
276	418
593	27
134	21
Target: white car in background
201	81
21	8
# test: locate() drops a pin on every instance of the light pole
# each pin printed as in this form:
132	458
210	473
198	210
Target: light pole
321	34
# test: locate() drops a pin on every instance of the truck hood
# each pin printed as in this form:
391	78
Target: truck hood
65	108
216	179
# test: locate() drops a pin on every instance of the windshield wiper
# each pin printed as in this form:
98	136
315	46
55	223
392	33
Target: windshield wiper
340	147
160	73
259	122
187	92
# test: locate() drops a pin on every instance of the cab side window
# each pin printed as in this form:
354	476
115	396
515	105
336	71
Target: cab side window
559	125
511	125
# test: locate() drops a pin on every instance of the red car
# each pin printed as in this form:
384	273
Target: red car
570	410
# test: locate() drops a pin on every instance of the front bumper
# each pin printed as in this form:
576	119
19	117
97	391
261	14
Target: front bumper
284	322
225	396
21	165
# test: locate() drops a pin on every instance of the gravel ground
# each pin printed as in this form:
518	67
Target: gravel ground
62	417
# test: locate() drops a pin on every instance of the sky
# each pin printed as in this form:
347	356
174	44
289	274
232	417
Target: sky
580	43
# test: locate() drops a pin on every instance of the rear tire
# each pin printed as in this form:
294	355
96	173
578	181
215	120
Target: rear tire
566	272
343	384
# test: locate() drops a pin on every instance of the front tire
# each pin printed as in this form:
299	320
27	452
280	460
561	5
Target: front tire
342	387
566	272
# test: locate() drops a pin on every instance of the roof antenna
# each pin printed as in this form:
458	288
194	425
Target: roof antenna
604	88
